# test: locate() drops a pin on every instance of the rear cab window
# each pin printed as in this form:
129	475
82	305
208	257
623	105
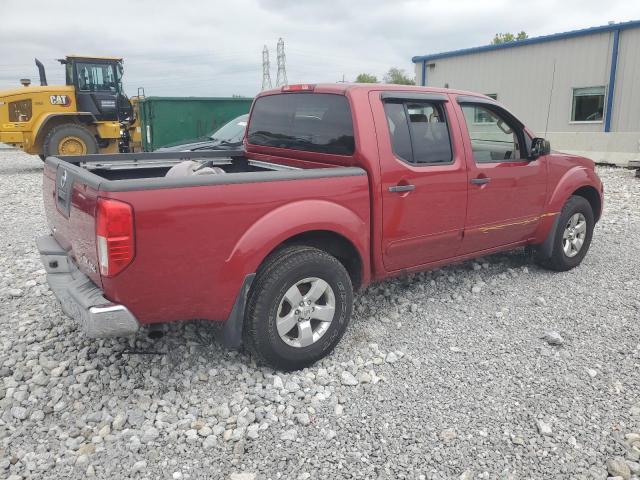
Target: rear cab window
312	122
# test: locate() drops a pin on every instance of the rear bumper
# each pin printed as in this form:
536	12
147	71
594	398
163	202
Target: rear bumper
80	298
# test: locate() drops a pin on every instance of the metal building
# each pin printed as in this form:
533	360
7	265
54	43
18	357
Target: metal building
581	87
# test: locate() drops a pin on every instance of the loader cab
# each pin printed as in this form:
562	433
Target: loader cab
98	86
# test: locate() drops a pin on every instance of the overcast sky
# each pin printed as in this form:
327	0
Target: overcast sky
214	48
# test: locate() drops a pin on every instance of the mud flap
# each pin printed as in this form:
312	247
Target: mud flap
231	332
545	250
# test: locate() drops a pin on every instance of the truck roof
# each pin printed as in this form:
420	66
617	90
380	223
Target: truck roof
343	88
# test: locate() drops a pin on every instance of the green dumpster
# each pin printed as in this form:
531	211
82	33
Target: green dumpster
168	120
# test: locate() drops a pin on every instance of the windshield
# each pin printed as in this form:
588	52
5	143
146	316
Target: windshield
231	132
96	77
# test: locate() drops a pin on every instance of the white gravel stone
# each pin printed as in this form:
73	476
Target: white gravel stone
139	466
347	378
210	442
289	435
19	413
543	428
553	338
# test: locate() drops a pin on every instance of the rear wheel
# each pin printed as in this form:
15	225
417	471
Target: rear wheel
299	308
70	139
572	237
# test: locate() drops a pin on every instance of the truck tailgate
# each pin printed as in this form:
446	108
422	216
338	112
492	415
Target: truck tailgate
70	206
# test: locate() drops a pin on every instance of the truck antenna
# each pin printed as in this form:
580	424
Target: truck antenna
553	79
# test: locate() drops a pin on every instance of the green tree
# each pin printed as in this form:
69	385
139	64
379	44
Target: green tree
366	78
398	76
508	37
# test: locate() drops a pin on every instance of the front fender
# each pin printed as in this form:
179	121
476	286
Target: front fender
39	127
292	219
573	179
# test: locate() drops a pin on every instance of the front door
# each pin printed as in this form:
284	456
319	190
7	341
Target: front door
97	89
507	191
424	180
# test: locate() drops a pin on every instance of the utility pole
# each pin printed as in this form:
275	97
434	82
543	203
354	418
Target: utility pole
266	76
281	78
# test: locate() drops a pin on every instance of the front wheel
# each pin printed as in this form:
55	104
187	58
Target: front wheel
70	139
299	307
572	236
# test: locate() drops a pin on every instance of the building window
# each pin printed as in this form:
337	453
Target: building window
588	104
480	114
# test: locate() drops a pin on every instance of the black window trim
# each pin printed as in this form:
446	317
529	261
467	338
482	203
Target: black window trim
434	98
507	115
425	97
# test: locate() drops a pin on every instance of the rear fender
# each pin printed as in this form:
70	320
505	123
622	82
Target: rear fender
277	226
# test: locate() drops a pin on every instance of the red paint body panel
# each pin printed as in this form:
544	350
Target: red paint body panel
195	245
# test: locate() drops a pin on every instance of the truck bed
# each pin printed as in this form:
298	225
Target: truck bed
196	237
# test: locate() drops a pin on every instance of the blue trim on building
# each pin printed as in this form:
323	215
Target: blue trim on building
612	81
424	73
615	27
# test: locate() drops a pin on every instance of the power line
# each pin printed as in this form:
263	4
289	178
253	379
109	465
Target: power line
266	75
281	78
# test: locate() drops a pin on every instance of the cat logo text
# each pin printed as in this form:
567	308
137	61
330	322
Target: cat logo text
63	100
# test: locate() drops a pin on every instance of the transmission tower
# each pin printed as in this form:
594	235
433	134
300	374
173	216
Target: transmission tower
281	79
266	76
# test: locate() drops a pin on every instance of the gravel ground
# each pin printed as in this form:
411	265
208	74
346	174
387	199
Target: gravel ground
441	375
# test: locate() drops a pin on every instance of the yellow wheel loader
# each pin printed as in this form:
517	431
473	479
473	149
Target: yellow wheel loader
90	114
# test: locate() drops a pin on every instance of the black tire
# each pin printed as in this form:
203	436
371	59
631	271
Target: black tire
559	261
279	273
57	134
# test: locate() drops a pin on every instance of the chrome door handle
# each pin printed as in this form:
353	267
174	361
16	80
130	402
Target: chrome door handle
480	181
401	188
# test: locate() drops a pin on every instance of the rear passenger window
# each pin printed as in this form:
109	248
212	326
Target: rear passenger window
314	122
419	132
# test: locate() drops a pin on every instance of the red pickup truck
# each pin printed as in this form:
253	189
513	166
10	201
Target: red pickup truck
337	186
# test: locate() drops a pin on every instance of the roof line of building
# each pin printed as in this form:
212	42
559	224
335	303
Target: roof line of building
530	41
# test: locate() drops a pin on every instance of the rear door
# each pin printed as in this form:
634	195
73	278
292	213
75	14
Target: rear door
424	179
507	191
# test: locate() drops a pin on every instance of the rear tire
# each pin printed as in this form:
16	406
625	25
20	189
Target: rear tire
299	307
572	237
69	139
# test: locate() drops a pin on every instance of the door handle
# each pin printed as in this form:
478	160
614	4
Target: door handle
401	188
480	180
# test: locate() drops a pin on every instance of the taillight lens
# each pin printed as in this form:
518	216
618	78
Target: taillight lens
301	87
114	236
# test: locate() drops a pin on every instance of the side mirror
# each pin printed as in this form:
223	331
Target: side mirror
539	147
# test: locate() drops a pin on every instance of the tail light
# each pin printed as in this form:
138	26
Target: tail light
114	236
